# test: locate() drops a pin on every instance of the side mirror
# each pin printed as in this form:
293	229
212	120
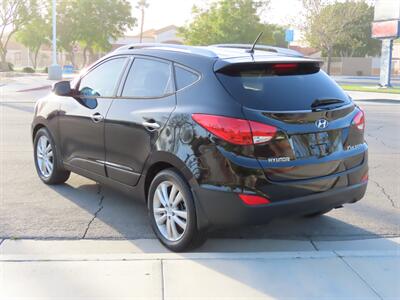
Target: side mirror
62	88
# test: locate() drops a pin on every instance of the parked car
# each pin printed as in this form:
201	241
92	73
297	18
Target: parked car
207	137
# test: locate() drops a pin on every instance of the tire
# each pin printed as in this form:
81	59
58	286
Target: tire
318	213
176	238
46	155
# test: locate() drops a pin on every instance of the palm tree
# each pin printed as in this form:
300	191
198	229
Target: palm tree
142	5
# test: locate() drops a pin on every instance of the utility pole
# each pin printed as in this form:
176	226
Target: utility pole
142	5
141	26
54	71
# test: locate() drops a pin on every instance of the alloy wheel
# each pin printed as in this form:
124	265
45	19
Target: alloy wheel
170	211
44	156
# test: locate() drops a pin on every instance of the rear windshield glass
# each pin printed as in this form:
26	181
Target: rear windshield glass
279	87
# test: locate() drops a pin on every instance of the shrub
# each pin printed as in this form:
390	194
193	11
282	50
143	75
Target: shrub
28	70
10	66
46	70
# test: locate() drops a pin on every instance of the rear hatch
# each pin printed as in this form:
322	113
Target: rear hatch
319	130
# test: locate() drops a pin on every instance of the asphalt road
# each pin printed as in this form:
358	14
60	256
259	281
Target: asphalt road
82	209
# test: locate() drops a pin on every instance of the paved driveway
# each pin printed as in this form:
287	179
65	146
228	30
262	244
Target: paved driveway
83	209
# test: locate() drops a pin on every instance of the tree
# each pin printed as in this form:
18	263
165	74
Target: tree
67	25
107	21
92	24
34	33
358	42
13	14
142	5
230	21
341	28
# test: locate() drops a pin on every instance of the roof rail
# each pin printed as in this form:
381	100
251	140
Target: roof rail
278	50
170	47
147	45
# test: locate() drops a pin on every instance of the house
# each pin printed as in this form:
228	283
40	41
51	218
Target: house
165	35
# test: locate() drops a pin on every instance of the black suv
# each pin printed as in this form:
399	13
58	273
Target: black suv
206	136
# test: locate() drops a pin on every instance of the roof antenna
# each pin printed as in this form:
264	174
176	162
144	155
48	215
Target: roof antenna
255	43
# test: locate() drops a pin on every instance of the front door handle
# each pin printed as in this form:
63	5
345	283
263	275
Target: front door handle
151	126
97	118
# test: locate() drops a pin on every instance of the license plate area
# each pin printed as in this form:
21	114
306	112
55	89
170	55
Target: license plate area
317	144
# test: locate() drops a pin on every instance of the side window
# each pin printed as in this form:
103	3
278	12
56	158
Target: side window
102	81
148	78
184	77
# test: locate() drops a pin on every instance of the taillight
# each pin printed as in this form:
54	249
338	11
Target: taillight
359	120
253	199
236	131
364	179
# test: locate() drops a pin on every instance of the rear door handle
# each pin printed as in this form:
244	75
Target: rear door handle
97	118
151	126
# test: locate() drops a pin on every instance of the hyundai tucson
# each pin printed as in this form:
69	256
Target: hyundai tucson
207	137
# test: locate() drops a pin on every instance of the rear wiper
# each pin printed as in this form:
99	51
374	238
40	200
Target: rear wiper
325	102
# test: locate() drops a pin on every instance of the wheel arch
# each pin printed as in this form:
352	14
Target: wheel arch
36	128
164	160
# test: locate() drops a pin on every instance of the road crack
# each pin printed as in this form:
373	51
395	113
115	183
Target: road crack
314	245
96	212
385	193
379	140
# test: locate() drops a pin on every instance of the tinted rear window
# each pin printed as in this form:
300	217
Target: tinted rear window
265	87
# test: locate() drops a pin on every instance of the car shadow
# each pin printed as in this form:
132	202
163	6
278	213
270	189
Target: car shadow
118	216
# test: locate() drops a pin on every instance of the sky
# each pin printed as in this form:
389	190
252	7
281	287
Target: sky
166	12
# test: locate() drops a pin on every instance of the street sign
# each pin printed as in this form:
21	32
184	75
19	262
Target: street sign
386	29
289	35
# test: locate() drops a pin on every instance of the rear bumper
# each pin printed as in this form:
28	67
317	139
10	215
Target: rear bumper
221	209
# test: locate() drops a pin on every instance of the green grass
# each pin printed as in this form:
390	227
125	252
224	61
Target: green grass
372	89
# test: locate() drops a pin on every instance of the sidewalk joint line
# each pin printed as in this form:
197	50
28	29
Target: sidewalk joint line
357	274
162	279
96	212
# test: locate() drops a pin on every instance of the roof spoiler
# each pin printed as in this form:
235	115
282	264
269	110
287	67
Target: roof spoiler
267	48
227	63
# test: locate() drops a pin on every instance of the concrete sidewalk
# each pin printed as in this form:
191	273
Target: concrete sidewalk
142	269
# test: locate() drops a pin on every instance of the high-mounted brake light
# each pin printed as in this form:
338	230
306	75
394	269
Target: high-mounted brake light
285	66
253	199
359	120
236	131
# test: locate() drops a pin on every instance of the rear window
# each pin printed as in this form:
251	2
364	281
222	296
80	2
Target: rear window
279	87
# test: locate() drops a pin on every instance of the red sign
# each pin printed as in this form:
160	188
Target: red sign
386	29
